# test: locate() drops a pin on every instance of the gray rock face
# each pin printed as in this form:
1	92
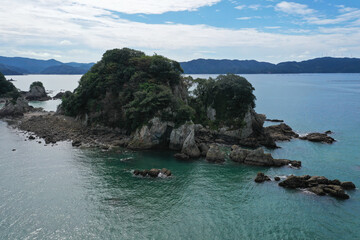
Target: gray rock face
16	109
281	132
152	135
189	147
37	93
258	158
211	113
214	154
178	135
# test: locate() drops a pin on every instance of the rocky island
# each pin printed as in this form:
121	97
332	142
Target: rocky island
141	102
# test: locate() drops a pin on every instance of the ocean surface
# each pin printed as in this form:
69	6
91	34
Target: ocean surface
61	192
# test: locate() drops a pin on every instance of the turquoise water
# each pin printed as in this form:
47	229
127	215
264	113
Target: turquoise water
60	192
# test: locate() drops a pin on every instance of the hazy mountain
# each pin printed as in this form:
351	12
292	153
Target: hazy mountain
8	70
317	65
64	69
19	65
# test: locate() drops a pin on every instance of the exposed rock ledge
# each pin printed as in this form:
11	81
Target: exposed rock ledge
284	132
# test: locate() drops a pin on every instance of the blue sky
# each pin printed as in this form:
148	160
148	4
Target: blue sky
264	30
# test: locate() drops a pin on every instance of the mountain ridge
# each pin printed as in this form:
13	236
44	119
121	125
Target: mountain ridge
20	65
316	65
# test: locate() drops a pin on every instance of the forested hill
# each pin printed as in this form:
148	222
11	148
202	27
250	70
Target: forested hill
19	66
317	65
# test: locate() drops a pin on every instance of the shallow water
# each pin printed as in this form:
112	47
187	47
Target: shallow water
60	192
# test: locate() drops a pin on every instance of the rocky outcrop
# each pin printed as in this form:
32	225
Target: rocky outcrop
319	185
214	154
153	173
59	95
281	132
37	93
153	135
258	158
319	137
179	135
261	177
189	147
15	109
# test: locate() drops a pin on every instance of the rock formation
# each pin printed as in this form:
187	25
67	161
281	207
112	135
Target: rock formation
319	185
258	157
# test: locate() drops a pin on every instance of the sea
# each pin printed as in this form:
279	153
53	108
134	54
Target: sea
61	192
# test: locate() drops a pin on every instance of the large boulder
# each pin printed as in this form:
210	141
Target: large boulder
153	135
281	132
15	109
179	135
189	147
261	177
37	93
214	154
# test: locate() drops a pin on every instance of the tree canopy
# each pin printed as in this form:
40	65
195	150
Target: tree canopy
7	89
127	88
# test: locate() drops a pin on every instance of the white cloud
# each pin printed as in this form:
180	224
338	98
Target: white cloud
349	15
240	7
148	6
92	30
294	8
65	43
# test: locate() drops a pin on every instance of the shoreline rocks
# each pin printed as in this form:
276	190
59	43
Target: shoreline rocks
259	158
319	137
36	93
215	155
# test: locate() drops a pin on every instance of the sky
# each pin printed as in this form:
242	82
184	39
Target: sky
263	30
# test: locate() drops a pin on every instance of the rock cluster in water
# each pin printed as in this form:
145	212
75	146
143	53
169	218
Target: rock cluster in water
316	184
284	132
153	172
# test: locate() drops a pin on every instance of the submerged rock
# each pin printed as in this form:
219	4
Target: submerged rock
153	172
214	154
261	177
181	156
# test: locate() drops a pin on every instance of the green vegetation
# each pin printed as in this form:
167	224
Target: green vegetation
7	89
127	88
39	84
229	95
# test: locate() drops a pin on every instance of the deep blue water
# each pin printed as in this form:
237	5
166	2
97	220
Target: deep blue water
60	192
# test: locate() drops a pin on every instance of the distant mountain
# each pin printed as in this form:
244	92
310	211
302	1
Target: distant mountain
8	70
19	65
64	69
317	65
